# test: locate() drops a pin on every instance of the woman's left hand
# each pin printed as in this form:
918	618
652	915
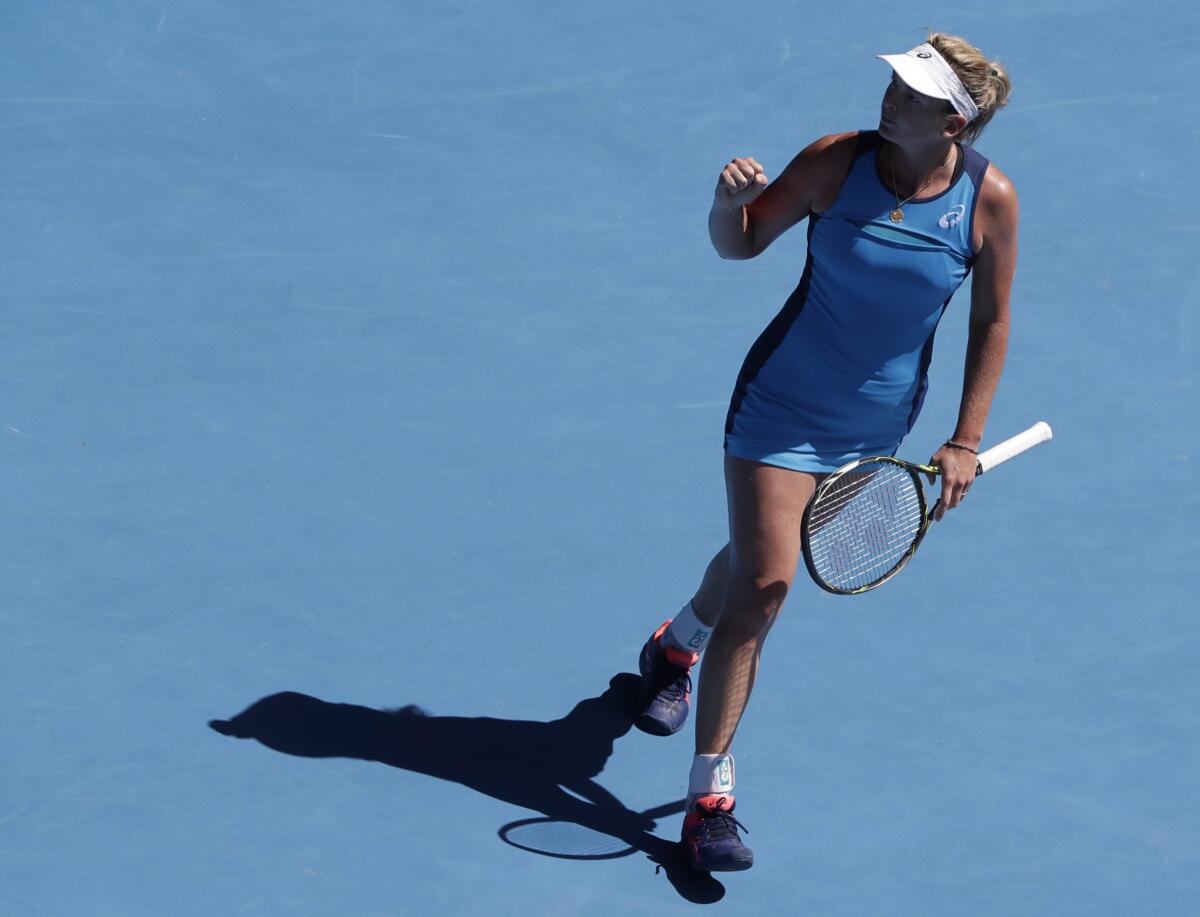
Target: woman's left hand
958	471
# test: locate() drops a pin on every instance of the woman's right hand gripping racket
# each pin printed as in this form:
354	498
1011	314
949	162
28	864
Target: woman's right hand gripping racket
866	520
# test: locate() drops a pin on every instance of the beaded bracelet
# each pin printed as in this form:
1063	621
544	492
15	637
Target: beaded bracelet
965	448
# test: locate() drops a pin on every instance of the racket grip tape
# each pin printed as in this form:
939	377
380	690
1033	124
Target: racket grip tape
1039	433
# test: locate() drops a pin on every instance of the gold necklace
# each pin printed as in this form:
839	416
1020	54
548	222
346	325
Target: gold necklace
897	215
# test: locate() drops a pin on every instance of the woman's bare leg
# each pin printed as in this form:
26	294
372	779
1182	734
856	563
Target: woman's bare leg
710	597
766	505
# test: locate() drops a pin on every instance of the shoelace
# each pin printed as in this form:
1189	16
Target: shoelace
674	681
721	824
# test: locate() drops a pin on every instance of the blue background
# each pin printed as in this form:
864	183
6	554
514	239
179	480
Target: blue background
377	352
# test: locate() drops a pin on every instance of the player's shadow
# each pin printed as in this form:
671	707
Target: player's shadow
547	767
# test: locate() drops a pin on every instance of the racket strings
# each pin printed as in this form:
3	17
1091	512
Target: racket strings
864	524
875	519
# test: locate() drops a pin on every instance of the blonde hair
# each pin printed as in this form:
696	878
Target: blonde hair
986	80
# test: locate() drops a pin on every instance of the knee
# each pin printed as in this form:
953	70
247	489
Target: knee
752	603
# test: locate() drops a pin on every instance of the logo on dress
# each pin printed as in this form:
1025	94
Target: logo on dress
957	212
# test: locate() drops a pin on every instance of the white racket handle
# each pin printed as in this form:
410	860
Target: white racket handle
1039	433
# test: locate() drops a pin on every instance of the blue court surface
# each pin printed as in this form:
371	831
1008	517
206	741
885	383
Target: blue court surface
363	373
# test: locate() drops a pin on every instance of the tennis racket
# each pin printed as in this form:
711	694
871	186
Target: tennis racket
867	519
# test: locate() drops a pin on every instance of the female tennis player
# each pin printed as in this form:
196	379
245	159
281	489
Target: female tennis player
898	217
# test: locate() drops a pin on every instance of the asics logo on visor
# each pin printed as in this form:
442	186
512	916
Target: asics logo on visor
957	212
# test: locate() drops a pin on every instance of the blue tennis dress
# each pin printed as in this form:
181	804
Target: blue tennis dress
841	371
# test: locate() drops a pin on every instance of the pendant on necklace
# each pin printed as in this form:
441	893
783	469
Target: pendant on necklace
896	216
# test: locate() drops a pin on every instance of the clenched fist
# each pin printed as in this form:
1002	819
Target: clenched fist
740	183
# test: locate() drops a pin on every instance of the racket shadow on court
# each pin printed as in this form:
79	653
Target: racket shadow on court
548	767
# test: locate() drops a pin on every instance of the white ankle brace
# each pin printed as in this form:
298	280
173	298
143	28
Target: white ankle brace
710	774
687	632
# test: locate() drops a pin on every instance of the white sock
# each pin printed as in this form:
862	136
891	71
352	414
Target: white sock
711	775
687	632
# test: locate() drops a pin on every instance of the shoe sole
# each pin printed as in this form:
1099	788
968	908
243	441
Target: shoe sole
654	727
729	866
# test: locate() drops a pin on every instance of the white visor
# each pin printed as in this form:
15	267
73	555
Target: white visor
927	72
